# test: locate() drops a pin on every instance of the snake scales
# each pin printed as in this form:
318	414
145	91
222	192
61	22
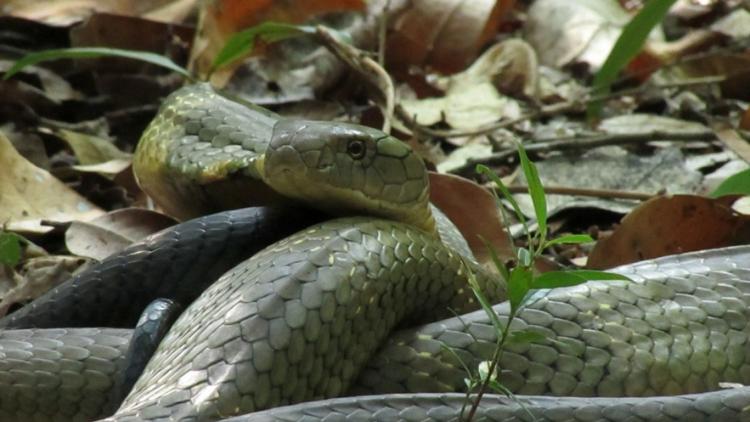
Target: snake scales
317	312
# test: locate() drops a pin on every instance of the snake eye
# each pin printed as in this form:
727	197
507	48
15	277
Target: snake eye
356	149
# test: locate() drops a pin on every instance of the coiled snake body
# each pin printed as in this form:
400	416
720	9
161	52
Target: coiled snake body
300	320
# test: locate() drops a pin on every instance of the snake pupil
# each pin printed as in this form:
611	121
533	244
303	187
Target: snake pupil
356	149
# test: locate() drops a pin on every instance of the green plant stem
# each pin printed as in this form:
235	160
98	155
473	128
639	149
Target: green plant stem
496	357
466	400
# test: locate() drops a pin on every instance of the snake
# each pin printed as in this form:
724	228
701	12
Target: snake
311	316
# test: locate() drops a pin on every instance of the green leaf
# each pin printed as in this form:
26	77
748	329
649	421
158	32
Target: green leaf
556	279
482	169
736	184
518	286
498	387
501	267
10	249
243	42
536	191
569	239
525	258
483	302
455	355
627	46
526	336
94	52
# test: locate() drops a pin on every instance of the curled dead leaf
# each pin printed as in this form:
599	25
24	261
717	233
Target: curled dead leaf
511	66
474	211
113	232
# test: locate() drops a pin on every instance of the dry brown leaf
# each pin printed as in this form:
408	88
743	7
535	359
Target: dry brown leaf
27	101
736	24
745	120
219	19
670	225
731	139
67	12
29	145
54	86
732	65
442	34
29	194
91	149
174	11
113	232
126	179
477	96
511	66
689	10
37	276
474	211
129	32
565	32
9	279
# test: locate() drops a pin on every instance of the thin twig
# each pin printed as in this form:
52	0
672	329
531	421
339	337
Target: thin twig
731	139
593	193
567	144
496	357
369	70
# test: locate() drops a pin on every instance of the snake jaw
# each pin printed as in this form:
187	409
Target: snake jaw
354	170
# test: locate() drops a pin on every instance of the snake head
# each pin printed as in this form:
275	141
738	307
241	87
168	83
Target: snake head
347	169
